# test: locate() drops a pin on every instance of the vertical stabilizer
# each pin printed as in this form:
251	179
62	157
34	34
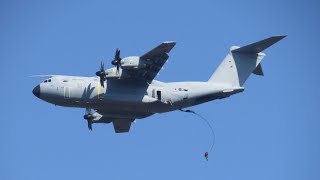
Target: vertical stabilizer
240	62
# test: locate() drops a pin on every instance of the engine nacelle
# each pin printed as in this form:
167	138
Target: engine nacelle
132	62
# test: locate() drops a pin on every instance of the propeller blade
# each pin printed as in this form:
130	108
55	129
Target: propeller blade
102	67
117	60
102	81
89	117
116	55
90	125
101	74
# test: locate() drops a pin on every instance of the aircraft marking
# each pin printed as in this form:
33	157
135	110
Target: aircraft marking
98	89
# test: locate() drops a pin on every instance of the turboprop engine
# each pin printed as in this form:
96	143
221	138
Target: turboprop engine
132	62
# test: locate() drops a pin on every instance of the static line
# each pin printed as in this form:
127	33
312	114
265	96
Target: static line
207	122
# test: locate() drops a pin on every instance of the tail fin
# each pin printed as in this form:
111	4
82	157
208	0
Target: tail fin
240	62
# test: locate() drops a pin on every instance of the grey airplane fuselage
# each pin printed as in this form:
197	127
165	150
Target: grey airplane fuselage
126	98
128	91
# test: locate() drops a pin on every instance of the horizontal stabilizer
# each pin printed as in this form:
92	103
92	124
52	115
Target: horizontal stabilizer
258	71
259	46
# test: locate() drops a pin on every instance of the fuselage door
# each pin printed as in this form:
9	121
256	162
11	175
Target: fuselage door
66	92
156	93
159	95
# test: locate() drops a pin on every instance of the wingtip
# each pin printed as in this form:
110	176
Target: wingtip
275	39
169	42
280	37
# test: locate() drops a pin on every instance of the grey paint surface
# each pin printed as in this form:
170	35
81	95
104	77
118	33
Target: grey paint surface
132	93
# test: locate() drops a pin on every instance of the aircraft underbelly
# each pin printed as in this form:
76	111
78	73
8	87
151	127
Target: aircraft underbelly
130	110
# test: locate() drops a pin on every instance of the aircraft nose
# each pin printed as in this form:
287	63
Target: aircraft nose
36	91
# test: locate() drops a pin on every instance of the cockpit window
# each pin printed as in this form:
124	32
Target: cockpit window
47	80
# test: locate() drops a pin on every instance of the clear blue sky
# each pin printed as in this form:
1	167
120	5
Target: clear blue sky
271	131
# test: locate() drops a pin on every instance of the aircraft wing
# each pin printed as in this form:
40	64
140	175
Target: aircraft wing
153	60
122	125
120	118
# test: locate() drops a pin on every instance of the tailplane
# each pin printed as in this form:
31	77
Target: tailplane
240	62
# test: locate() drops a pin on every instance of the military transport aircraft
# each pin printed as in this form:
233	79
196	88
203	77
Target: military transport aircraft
128	91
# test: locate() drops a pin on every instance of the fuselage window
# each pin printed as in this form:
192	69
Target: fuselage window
45	81
49	80
183	89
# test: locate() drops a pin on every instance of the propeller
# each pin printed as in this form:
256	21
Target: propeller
89	117
101	74
117	60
